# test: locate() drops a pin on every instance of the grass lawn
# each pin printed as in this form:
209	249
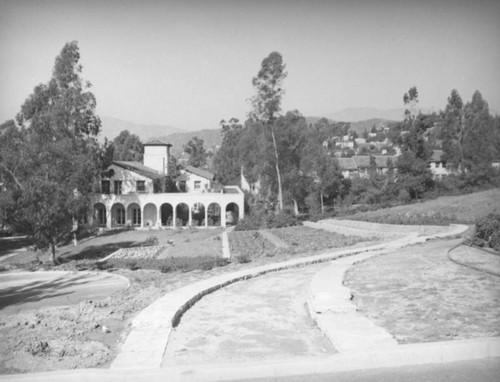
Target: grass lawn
301	241
418	295
180	243
443	210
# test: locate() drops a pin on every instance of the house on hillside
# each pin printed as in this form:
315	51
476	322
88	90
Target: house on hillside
135	194
437	165
359	165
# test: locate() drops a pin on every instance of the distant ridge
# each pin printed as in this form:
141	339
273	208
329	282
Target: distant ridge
111	128
356	114
211	138
366	113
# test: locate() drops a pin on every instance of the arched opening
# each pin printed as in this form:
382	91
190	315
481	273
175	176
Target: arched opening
198	214
167	215
182	213
100	214
214	215
232	213
134	215
150	215
118	215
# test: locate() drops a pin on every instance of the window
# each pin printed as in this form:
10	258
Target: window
136	216
105	187
118	187
141	186
197	184
101	215
120	215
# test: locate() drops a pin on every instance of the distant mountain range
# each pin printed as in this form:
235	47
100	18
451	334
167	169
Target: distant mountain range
365	113
111	128
361	119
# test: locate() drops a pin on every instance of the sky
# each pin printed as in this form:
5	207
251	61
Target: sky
190	64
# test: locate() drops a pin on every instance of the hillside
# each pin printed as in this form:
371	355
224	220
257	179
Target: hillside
211	138
366	113
111	128
457	209
360	126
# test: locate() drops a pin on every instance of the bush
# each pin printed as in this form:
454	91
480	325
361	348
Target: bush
171	264
151	241
265	220
487	233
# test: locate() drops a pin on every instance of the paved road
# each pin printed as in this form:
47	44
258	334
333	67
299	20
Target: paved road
484	370
26	291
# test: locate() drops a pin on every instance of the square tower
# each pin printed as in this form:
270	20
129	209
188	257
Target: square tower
157	154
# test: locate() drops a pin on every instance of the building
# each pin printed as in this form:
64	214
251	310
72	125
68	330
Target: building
359	165
134	195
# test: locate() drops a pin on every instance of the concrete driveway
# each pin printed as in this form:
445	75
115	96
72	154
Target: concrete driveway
24	291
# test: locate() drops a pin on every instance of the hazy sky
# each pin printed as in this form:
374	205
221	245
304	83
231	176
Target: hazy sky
190	63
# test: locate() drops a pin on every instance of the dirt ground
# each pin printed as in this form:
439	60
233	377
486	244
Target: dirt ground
72	336
419	295
270	322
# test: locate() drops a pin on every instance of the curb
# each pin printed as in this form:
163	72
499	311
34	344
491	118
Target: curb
145	345
479	269
403	355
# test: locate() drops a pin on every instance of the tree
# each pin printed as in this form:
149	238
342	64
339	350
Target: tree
196	151
410	100
478	140
226	161
414	177
322	170
266	104
453	131
128	147
58	156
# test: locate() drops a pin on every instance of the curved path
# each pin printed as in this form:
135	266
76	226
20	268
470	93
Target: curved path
270	322
145	345
142	353
32	290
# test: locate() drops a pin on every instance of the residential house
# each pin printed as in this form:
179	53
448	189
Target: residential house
133	194
360	165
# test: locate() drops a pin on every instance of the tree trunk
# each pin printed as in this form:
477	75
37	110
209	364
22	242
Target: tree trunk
53	254
280	192
295	207
322	206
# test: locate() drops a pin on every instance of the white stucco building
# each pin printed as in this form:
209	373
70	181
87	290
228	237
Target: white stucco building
133	195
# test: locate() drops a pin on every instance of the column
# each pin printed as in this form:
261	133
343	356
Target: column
206	215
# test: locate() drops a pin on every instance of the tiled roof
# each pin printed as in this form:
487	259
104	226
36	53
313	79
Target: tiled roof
139	168
436	155
347	164
363	161
200	172
157	141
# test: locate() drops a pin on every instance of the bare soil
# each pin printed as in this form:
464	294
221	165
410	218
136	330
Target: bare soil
89	334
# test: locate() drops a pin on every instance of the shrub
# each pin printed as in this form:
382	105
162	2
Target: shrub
265	220
151	241
171	264
132	265
487	233
244	258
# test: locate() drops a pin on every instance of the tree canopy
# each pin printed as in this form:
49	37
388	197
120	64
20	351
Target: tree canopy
127	147
196	151
266	104
50	157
